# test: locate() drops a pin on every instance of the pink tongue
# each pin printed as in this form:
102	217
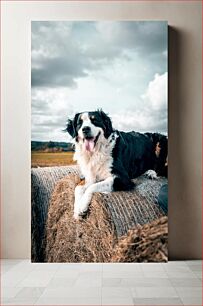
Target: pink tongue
89	144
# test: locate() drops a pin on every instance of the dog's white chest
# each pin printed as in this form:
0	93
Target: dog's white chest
100	166
97	166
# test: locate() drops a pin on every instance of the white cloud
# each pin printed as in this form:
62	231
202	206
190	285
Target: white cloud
52	107
143	37
156	93
81	66
62	52
151	115
140	121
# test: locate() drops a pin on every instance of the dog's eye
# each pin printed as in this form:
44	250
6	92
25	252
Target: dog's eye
92	118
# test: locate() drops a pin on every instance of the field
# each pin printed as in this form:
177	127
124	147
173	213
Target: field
44	159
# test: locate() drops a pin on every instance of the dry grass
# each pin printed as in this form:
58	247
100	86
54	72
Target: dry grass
44	159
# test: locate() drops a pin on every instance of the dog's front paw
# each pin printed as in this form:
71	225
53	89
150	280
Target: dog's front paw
78	214
80	209
83	205
83	197
151	174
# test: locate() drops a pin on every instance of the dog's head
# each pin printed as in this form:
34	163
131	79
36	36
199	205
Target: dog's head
89	128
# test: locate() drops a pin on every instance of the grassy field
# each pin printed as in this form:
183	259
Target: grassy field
44	159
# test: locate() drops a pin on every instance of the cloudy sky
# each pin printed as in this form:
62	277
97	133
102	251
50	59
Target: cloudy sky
120	67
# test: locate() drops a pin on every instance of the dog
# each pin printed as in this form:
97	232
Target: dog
110	159
160	158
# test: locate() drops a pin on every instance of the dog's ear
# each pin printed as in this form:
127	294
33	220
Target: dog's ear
71	126
107	123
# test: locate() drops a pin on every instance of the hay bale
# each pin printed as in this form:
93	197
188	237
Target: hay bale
66	239
92	239
147	243
43	181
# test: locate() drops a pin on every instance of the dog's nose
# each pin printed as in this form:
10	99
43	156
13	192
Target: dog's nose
86	129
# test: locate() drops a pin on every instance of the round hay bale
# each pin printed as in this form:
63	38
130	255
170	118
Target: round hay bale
93	238
43	181
147	243
69	240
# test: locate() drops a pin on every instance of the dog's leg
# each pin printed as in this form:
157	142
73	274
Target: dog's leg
79	191
83	203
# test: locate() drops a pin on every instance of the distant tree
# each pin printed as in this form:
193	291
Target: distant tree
51	144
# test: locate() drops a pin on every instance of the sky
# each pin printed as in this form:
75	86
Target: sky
119	66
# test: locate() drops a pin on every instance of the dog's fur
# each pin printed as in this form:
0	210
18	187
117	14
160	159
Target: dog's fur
109	159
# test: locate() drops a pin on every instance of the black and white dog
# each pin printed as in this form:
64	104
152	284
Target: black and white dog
109	159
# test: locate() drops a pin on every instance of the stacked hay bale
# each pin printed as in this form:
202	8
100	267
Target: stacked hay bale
97	237
43	181
147	243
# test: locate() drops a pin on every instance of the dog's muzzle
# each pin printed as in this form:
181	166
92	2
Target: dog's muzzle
90	142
